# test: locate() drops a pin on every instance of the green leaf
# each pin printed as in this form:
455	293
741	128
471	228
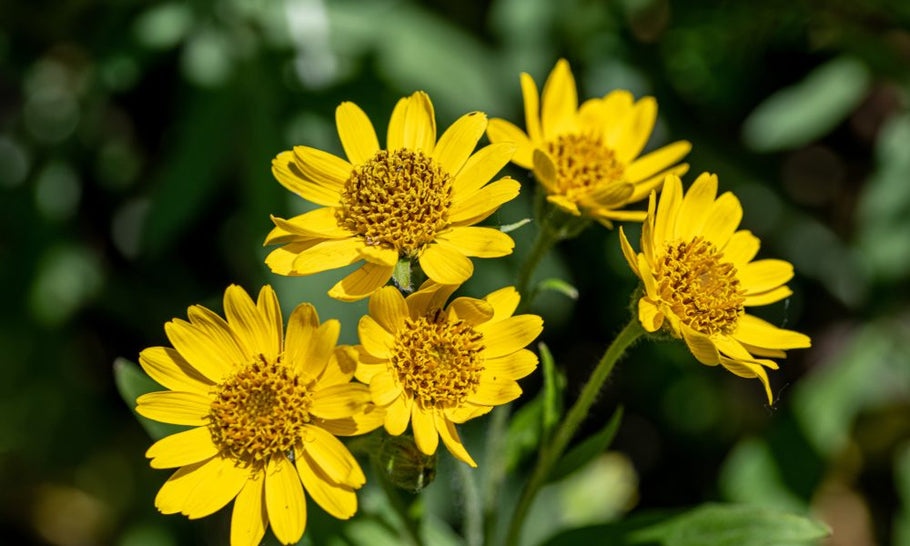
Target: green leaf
587	450
523	436
507	228
558	285
132	383
705	525
799	114
553	383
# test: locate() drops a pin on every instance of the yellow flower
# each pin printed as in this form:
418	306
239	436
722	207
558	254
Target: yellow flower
699	278
587	157
265	412
435	367
418	198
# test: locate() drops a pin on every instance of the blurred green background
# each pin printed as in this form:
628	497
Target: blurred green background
135	146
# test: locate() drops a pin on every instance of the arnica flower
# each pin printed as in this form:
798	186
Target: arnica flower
416	199
436	366
265	411
699	277
587	158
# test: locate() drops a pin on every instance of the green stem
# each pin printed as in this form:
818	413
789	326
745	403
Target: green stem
473	517
496	470
411	526
542	244
550	454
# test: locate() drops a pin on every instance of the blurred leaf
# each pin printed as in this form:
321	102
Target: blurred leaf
553	384
902	484
560	286
582	454
705	525
808	110
132	383
523	436
163	26
751	475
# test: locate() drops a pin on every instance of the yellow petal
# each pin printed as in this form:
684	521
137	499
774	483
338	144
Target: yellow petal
480	204
281	260
340	401
605	215
425	435
367	370
494	393
609	195
766	298
471	310
323	168
222	480
650	315
451	440
648	165
420	124
545	171
249	326
207	344
332	457
701	346
749	370
430	296
379	255
375	339
321	223
456	144
301	326
398	415
731	348
183	448
445	264
284	500
644	187
514	366
667	210
172	371
504	301
384	389
695	206
177	408
722	220
755	331
764	275
338	500
741	248
360	423
469	410
636	131
362	282
480	168
500	130
647	277
616	106
560	101
509	335
270	311
395	134
388	308
173	494
249	518
321	348
627	251
565	204
532	107
478	242
328	254
286	170
356	132
339	368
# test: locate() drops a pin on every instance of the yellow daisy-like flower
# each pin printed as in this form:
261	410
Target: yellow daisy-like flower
418	198
587	158
265	411
436	366
699	278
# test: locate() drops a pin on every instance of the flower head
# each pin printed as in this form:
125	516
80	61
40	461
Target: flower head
416	199
265	410
436	366
699	277
587	158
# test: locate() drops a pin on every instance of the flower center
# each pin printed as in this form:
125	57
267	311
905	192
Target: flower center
702	290
437	362
582	163
398	199
259	411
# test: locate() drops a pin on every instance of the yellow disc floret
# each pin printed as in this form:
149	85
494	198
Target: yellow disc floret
259	411
582	163
701	290
398	199
437	361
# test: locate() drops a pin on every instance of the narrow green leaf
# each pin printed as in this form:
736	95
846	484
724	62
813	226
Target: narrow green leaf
507	228
558	285
552	390
132	383
587	450
523	435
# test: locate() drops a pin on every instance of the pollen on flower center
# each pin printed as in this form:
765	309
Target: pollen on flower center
259	411
583	162
702	290
437	362
398	199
